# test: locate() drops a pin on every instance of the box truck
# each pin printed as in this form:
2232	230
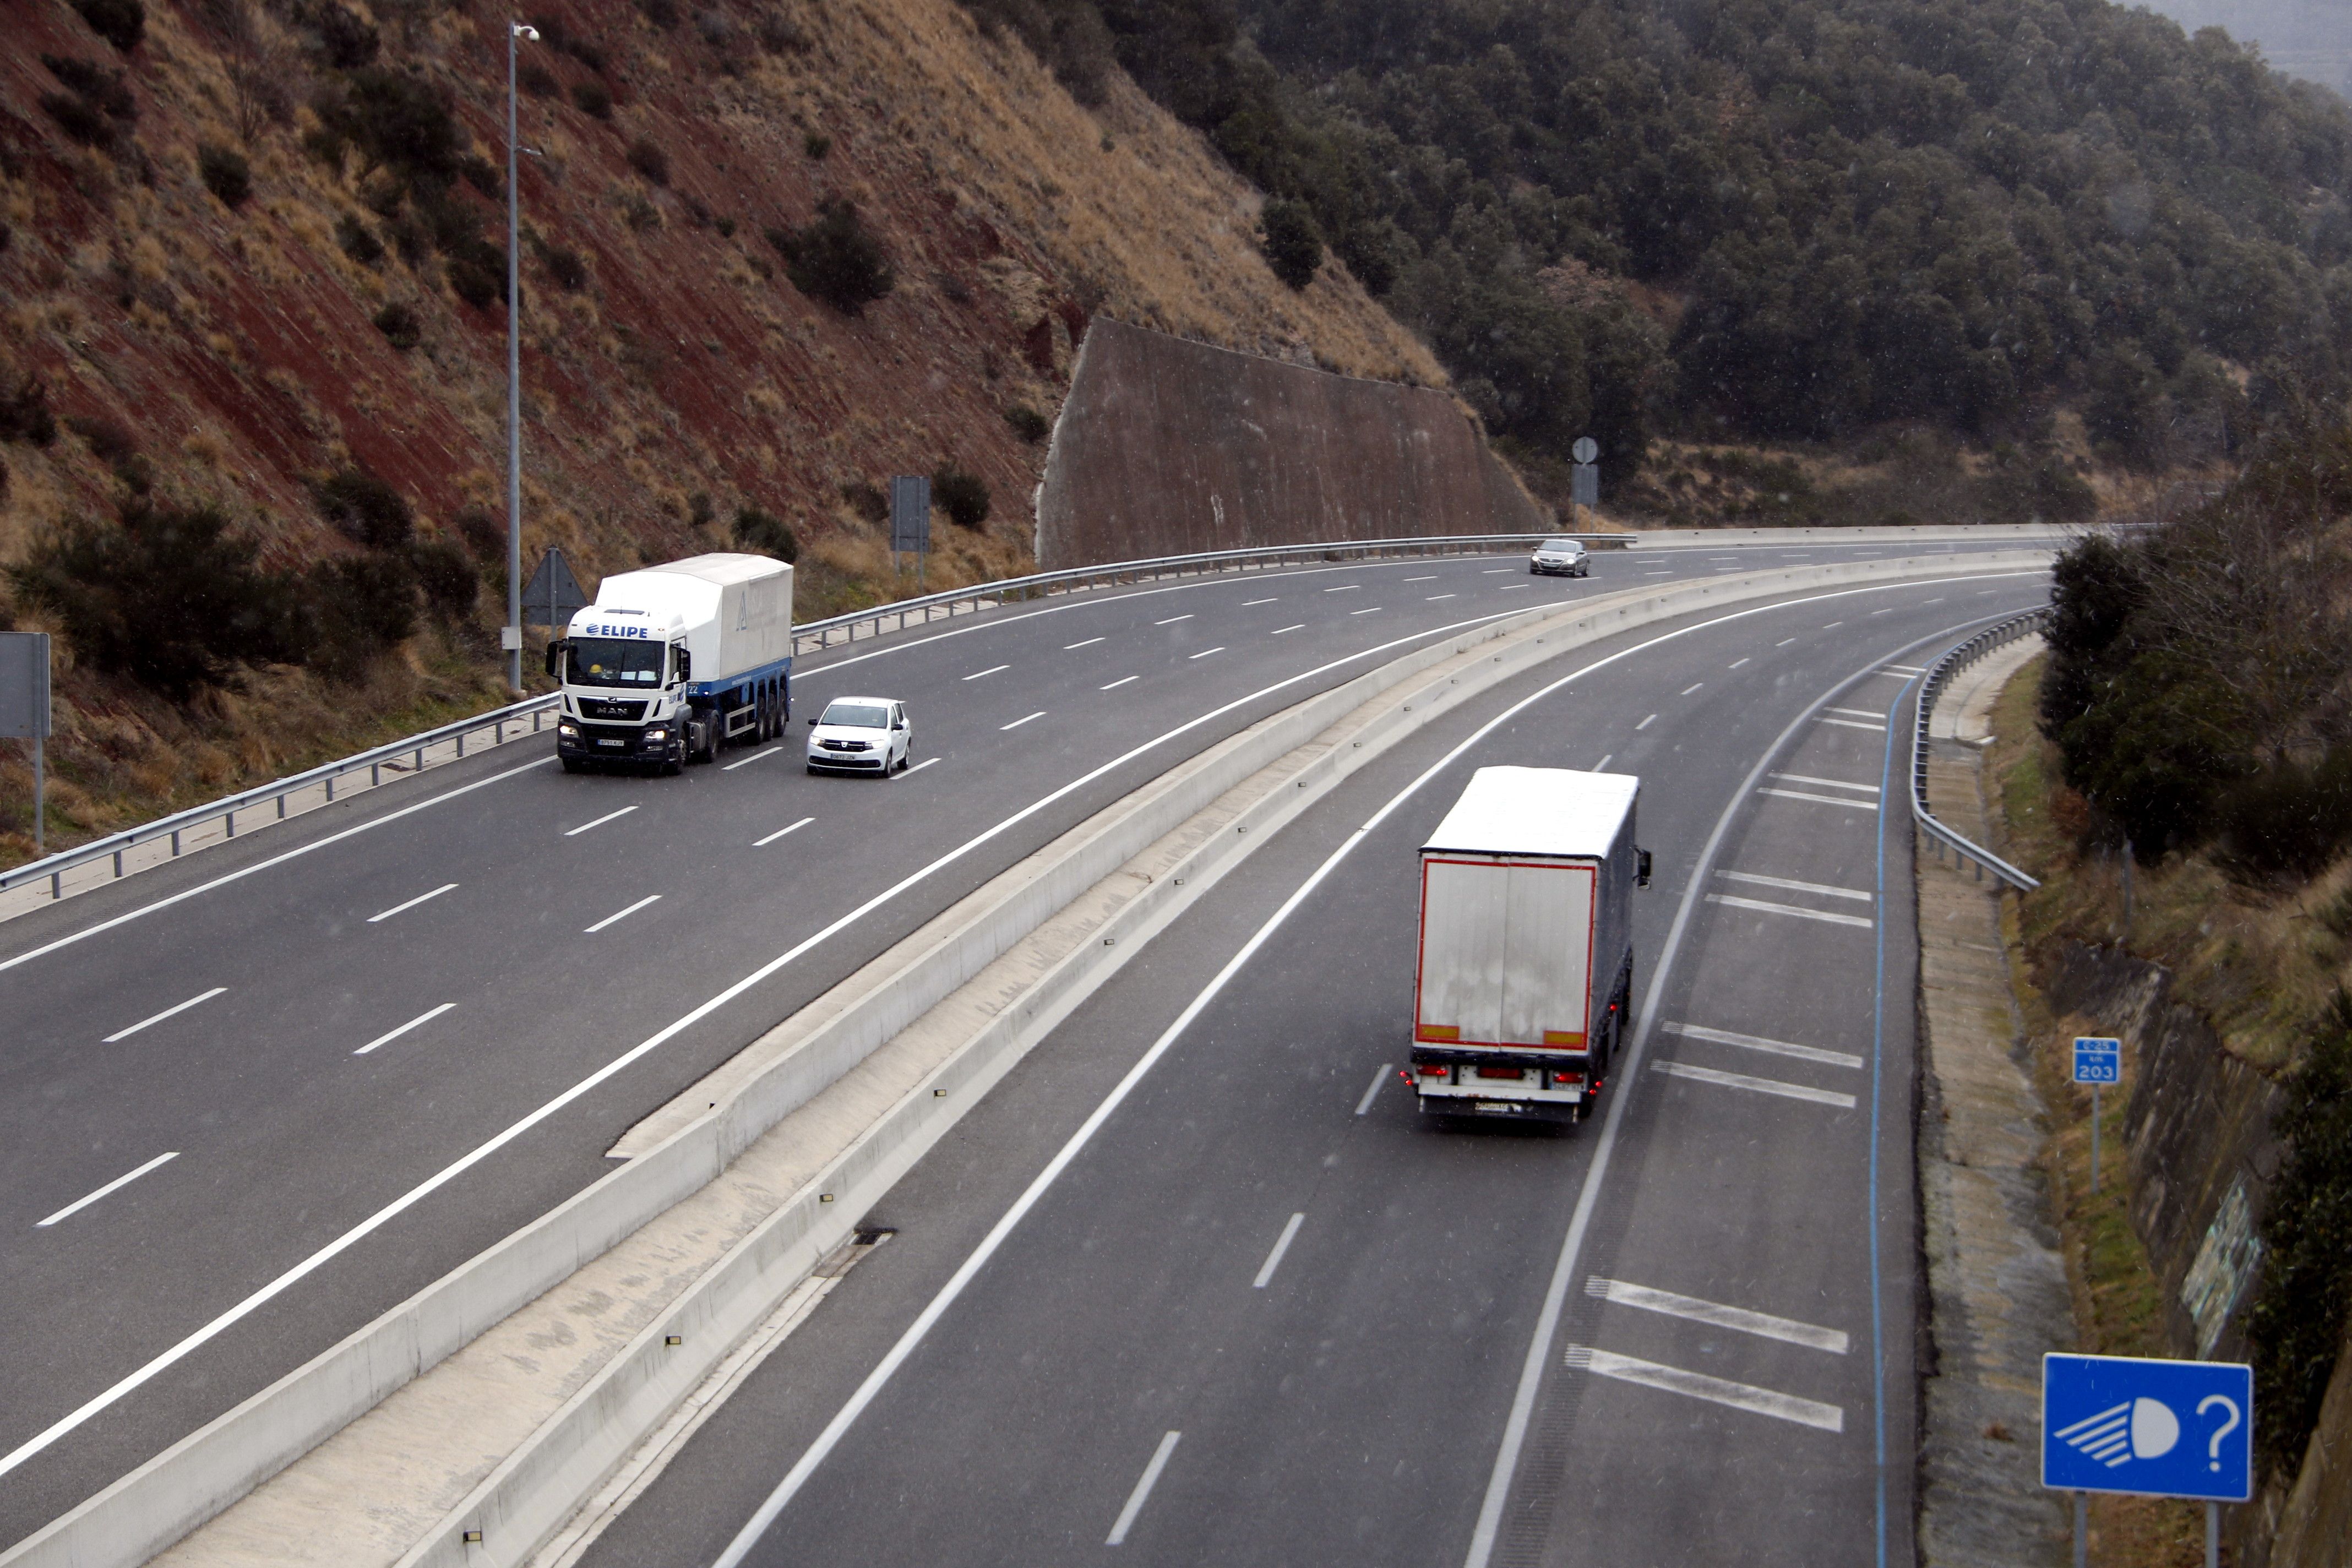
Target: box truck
1526	974
675	661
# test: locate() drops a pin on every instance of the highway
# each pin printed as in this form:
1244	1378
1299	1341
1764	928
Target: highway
252	1100
1197	1283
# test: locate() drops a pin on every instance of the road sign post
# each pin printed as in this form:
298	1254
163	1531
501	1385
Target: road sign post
2146	1427
1584	480
24	714
2097	1061
911	519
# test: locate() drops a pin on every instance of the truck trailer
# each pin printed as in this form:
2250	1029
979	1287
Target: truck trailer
1526	974
675	661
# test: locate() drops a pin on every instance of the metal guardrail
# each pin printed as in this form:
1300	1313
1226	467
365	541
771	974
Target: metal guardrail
837	630
410	750
1931	687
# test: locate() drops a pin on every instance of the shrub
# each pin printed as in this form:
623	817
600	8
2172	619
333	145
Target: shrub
110	441
359	241
359	608
2288	818
24	413
816	145
725	225
347	42
367	510
780	35
662	14
400	327
592	98
537	80
485	533
166	596
2305	1298
587	53
962	496
395	121
867	500
646	158
759	529
105	89
81	121
121	22
447	574
1293	244
835	259
568	268
1028	423
477	273
483	175
224	174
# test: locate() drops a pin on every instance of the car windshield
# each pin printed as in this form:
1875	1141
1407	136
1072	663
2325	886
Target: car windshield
611	661
857	716
1560	547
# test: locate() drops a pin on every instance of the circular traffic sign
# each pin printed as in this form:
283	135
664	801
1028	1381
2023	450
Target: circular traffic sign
1585	449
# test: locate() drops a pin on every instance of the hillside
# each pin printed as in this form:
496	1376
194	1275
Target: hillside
253	260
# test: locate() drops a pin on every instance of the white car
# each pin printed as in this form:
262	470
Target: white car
1560	558
860	735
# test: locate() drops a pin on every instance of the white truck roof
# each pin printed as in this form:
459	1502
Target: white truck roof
1537	810
724	568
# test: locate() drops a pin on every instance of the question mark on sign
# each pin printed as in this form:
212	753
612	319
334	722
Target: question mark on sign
2213	1446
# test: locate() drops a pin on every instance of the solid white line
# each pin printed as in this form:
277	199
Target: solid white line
1122	680
1434	597
576	832
1143	1489
1349	589
177	1007
121	1181
1205	653
1275	600
991	669
1831	783
918	767
1089	643
1825	916
1279	630
1693	686
795	828
1760	1042
1646	722
1602	765
1735	664
1772	1086
754	757
424	1017
1822	888
412	903
1373	1093
1856	725
1018	722
243	872
1872	714
1715	1389
623	914
1173	619
1273	1258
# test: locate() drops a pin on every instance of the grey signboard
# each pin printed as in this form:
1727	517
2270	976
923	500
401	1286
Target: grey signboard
910	513
25	684
1584	484
553	594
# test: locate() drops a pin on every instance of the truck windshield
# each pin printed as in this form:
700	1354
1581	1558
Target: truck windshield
857	716
610	661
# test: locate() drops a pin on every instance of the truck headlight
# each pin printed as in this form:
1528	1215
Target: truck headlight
657	735
566	727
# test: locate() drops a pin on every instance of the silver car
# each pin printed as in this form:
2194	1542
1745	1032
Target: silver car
1560	558
860	735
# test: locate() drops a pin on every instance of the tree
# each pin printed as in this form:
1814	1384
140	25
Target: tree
1292	243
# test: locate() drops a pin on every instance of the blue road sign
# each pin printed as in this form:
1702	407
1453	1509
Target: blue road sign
2097	1061
2151	1428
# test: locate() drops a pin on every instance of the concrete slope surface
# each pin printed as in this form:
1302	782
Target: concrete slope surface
1248	1307
254	1099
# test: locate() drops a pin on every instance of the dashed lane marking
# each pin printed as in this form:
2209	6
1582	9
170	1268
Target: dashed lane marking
119	1182
403	909
168	1012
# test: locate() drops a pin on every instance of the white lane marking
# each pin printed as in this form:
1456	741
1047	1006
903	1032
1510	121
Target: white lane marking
1018	722
1832	626
243	872
622	914
1497	571
1828	783
421	898
576	832
1647	722
795	828
1374	610
754	757
1173	619
1205	653
1911	670
122	1181
424	1017
1248	603
1826	917
991	669
1667	572
1279	630
177	1007
1430	578
1089	643
1602	765
1143	1489
1373	1093
1434	597
1735	664
1856	725
1923	603
1784	642
1515	588
1771	1086
1714	1390
1822	888
1348	589
1273	1258
1888	611
1788	1048
1693	686
1873	714
918	767
1122	680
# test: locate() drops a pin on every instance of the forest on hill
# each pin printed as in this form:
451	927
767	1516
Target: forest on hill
1790	219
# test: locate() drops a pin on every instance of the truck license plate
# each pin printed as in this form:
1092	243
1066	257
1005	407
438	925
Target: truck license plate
612	743
1494	1108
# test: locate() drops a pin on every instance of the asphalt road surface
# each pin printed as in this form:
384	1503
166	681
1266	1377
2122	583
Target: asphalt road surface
1197	1283
250	1100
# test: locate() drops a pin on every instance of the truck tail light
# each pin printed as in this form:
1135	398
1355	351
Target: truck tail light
1563	1078
1434	1071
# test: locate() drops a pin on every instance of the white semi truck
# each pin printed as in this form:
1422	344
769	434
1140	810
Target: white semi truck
674	662
1526	976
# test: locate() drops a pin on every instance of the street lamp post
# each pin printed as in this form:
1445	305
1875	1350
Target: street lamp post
511	635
